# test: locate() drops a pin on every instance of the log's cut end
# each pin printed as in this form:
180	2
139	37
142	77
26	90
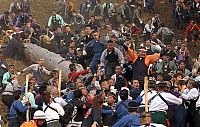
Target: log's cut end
34	52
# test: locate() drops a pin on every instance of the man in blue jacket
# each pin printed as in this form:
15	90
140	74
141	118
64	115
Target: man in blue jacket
17	110
132	119
122	106
98	47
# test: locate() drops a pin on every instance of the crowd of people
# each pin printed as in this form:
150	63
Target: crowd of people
117	50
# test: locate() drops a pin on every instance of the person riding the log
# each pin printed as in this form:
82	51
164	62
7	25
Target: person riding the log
38	70
14	48
141	62
55	20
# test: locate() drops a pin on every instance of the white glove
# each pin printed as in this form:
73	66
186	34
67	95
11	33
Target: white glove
88	5
185	39
3	66
18	73
97	85
141	22
160	60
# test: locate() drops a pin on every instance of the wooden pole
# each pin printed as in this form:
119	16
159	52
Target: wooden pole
59	82
145	93
26	95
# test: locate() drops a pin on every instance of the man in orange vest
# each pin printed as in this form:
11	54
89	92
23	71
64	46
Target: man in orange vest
38	120
141	62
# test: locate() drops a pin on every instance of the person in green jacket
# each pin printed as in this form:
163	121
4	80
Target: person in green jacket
55	21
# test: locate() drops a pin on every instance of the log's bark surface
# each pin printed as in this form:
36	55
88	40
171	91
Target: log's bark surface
52	60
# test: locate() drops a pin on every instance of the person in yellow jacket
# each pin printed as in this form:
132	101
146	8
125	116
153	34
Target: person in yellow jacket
38	120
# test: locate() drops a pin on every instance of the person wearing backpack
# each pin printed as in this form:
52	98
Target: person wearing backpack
52	110
132	119
159	104
17	110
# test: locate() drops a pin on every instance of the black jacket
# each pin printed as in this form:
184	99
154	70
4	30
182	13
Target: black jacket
82	108
92	115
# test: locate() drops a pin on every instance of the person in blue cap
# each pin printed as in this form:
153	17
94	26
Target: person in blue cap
132	119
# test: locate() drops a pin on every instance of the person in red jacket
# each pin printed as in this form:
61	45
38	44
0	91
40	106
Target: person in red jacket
74	74
192	32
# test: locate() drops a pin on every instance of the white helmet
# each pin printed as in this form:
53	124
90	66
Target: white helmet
39	115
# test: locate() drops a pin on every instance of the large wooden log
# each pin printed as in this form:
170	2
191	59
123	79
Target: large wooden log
52	60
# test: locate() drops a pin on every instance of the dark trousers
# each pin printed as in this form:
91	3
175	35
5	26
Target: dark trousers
110	70
13	122
1	78
149	5
7	100
180	114
197	118
190	117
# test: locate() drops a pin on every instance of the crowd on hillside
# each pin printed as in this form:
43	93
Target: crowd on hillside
117	50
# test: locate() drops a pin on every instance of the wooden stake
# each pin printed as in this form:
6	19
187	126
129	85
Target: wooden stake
26	95
59	82
145	93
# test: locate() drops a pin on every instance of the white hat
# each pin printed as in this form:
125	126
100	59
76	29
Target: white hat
39	115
